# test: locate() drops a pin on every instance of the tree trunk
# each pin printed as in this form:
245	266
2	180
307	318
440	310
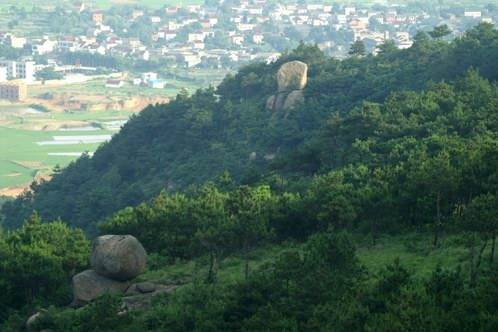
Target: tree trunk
246	256
246	269
373	231
493	243
211	267
438	220
475	267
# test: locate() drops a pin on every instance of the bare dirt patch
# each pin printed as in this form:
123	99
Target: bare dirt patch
13	191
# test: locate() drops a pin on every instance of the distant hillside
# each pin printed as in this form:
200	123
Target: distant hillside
198	138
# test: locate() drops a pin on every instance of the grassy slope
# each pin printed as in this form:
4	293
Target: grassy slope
414	251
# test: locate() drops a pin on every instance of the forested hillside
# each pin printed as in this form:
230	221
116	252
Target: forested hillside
371	207
227	129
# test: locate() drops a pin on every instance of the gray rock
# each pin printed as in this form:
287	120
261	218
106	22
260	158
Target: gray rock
120	257
141	288
293	99
292	75
270	103
280	101
32	321
146	287
144	301
269	156
88	285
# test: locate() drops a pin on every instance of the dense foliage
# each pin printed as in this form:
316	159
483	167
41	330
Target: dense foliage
196	138
37	262
319	287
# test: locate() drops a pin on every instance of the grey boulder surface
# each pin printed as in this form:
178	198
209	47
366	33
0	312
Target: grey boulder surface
291	76
89	285
119	257
293	99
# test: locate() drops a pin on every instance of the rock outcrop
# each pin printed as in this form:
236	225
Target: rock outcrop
294	98
138	298
32	321
120	257
291	78
115	260
141	288
88	285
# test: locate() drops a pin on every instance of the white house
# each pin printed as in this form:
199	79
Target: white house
195	36
149	76
157	84
16	42
237	39
3	74
257	38
472	14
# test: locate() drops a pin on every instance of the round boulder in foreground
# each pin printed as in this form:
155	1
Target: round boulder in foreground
119	257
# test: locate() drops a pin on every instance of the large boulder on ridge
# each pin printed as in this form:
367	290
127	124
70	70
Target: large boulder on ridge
291	76
89	285
293	99
119	257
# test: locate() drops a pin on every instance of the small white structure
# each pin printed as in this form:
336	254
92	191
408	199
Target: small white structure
473	14
257	38
149	76
237	39
157	84
3	74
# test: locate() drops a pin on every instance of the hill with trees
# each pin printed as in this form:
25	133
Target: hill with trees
198	138
370	207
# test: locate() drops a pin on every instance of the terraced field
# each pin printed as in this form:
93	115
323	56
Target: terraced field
28	154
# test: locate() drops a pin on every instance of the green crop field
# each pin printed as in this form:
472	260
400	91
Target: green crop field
22	158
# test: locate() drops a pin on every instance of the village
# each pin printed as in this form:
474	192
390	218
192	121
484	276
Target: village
72	73
146	43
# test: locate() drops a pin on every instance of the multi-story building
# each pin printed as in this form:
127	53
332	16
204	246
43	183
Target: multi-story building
26	70
19	69
13	91
16	42
3	74
10	68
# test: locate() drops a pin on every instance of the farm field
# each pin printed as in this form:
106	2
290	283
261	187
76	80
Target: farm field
32	142
176	80
28	154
